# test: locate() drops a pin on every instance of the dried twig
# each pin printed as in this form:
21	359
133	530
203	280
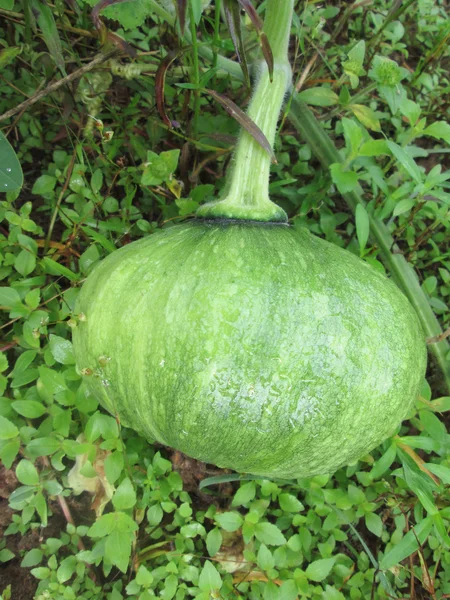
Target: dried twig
439	338
53	87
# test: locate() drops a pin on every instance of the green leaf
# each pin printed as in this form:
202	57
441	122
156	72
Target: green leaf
353	136
288	590
383	463
29	408
403	206
144	577
155	515
406	161
160	168
366	116
25	262
53	268
6	555
41	572
7	429
213	541
9	297
125	496
362	226
407	545
374	524
209	579
66	569
44	446
439	130
345	180
103	526
118	549
27	473
319	96
440	471
11	176
89	258
230	521
44	185
61	350
269	534
374	148
290	503
320	569
9	452
265	558
32	558
113	466
245	494
50	382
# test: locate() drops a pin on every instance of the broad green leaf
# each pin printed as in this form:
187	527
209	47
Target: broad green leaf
9	297
118	549
209	579
403	206
439	130
125	496
245	494
362	226
320	569
32	558
27	473
25	262
353	136
114	466
44	446
230	521
265	558
29	408
9	452
155	515
269	534
366	116
374	524
319	96
11	176
213	541
288	590
290	503
103	526
374	148
66	569
345	180
7	429
61	350
44	185
408	544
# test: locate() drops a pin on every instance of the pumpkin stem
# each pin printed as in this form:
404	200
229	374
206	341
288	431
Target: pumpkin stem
246	193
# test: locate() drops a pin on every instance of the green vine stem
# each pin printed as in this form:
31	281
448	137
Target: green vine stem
246	194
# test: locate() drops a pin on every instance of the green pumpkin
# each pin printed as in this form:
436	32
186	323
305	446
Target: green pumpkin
255	347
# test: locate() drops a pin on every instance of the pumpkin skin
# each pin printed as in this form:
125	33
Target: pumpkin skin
259	348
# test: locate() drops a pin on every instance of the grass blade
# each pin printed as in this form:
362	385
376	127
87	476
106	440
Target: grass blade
47	25
244	120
